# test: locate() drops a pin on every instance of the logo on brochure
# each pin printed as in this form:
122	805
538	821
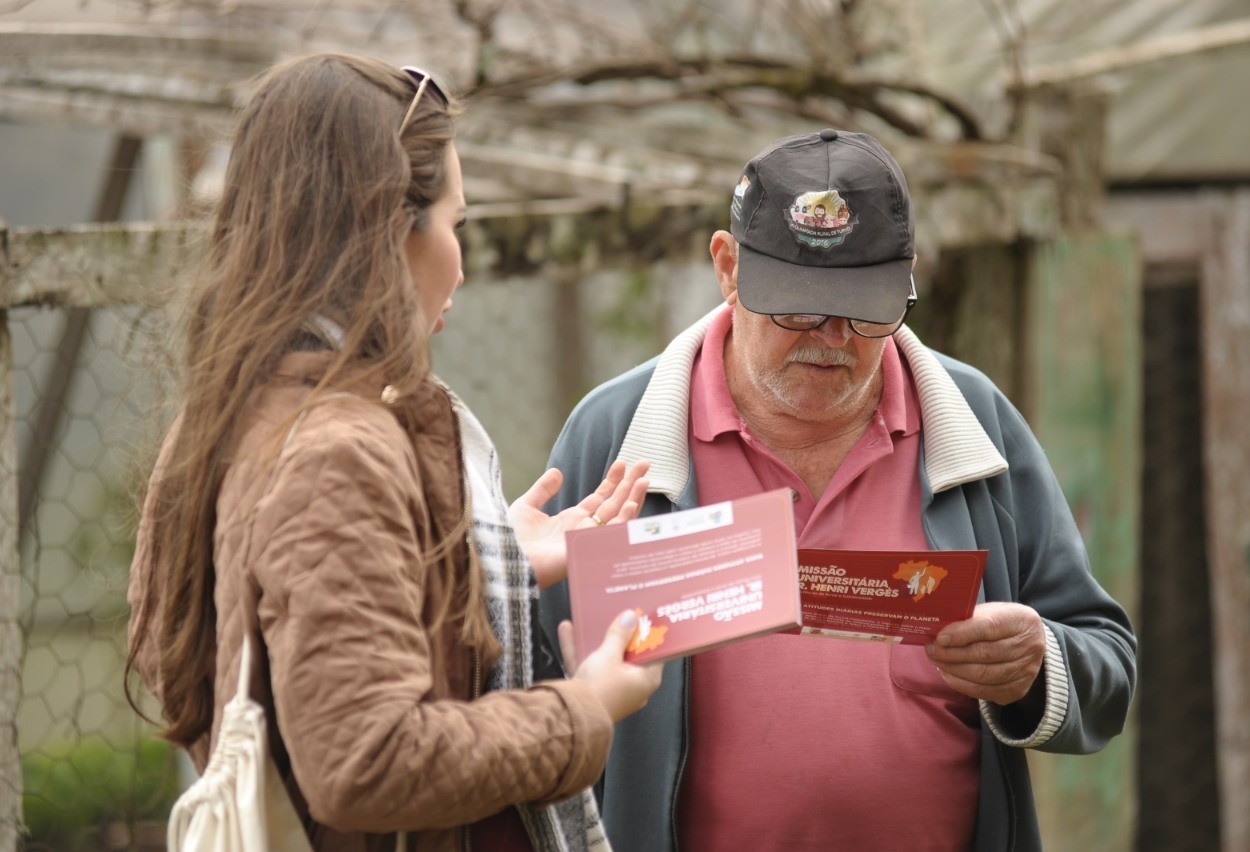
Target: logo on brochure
674	524
922	578
646	635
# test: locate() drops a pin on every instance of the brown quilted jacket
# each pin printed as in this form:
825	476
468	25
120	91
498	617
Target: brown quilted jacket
378	715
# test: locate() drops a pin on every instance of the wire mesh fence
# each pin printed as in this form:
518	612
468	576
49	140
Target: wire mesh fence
94	776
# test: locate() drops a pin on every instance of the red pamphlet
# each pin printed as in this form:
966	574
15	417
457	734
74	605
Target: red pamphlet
698	578
902	596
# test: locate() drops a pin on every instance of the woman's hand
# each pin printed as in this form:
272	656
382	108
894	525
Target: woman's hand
542	536
622	687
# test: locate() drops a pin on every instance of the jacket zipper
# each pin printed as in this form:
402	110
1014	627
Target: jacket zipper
685	751
999	748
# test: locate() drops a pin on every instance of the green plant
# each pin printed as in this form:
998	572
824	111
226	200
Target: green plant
74	791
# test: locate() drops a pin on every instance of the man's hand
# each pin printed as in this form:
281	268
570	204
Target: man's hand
615	501
995	655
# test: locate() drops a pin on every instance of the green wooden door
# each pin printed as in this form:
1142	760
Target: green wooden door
1081	391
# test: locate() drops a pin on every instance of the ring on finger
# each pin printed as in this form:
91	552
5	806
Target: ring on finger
598	520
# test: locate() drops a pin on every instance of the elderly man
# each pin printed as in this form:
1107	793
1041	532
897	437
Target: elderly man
808	379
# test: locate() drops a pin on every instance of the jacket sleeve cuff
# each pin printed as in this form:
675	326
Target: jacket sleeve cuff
1055	710
592	738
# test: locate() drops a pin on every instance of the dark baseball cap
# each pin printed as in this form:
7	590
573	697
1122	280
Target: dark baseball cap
824	226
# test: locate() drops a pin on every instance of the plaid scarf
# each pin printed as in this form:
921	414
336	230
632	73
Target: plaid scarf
572	825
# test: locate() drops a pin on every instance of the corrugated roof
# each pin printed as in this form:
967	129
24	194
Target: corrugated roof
1177	101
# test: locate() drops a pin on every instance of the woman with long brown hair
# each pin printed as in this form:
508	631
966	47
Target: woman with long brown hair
324	492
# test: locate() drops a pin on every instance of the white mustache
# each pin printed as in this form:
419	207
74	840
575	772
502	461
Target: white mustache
822	357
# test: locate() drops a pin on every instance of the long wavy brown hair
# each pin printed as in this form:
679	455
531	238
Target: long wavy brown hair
320	192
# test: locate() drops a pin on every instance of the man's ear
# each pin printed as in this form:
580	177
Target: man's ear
724	251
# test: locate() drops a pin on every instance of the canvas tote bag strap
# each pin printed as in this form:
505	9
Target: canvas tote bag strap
283	822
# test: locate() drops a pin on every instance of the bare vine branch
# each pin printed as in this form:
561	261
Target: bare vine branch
798	58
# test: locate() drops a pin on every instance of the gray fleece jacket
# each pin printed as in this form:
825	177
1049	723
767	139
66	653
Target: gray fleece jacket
985	484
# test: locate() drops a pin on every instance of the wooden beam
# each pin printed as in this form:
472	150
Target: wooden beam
136	116
1172	46
141	80
1170	227
93	266
29	41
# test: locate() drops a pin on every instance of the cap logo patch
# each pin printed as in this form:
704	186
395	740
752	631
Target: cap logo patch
740	191
821	218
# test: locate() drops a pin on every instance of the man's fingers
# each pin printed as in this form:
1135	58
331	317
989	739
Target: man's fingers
627	513
991	622
985	686
543	489
638	493
623	505
983	653
976	630
616	472
592	502
985	675
1002	671
626	486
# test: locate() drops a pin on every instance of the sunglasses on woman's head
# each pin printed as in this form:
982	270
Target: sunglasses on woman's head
423	80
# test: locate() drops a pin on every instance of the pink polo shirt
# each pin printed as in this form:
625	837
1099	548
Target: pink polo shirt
801	742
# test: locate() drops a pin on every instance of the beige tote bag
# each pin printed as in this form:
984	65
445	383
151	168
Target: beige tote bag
239	804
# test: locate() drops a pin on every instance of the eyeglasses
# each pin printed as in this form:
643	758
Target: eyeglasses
423	80
864	328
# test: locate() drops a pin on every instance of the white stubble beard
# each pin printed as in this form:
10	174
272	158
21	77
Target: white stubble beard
774	381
